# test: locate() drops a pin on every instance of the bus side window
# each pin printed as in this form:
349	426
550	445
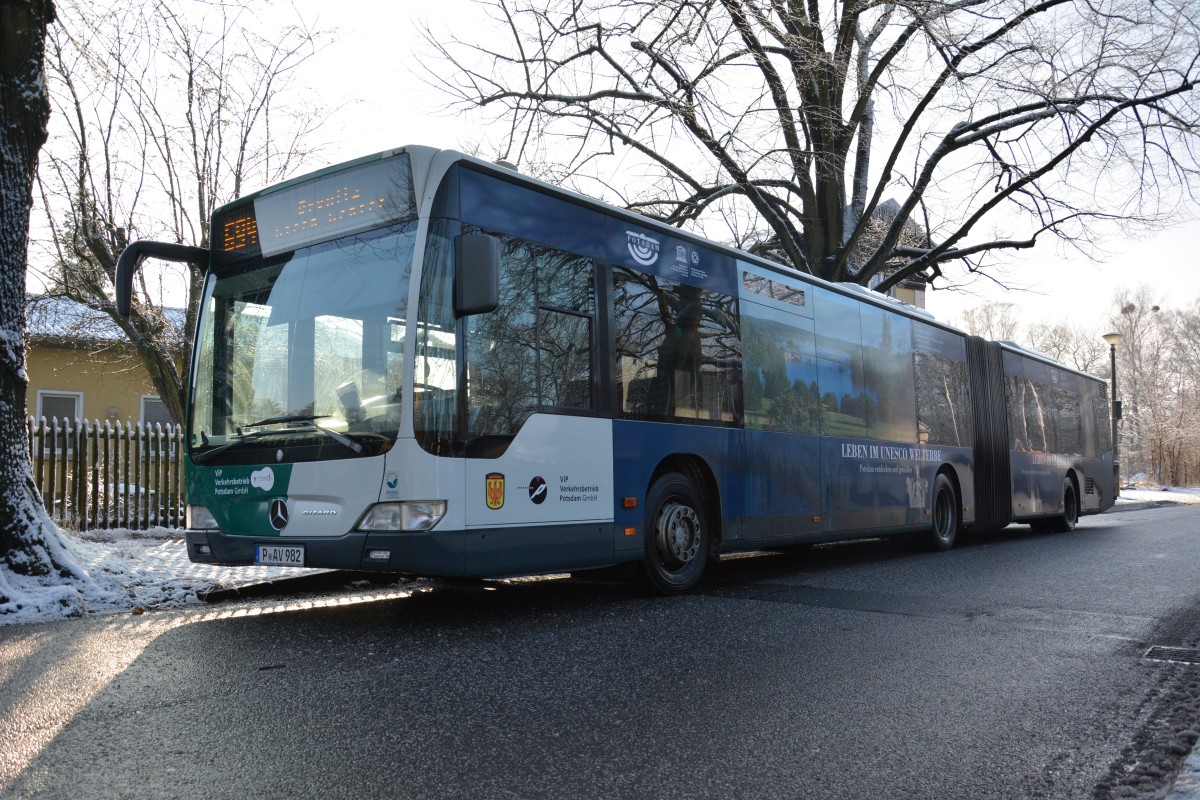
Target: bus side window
534	352
780	370
435	380
679	350
566	298
943	398
889	397
502	351
840	366
1068	422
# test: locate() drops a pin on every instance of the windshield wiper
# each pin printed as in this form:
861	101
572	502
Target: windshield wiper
282	419
312	425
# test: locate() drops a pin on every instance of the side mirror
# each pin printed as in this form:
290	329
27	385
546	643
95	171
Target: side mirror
476	274
132	257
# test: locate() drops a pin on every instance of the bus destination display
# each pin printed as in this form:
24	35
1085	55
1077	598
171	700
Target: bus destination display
328	207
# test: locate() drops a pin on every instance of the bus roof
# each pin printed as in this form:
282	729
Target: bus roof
858	291
508	172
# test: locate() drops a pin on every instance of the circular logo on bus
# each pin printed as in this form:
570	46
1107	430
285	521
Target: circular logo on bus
278	514
538	490
642	248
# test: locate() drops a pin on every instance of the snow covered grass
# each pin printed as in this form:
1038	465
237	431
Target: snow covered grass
1144	493
130	571
150	570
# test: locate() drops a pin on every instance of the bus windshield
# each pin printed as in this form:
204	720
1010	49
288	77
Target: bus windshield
302	353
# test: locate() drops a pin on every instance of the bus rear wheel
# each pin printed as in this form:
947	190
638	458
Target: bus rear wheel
945	514
676	536
1065	522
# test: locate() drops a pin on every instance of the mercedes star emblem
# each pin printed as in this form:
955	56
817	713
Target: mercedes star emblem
278	514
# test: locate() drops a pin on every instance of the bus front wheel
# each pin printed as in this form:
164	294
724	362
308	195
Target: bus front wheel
676	536
945	514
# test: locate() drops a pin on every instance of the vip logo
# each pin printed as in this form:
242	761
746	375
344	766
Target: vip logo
494	484
643	249
538	490
263	479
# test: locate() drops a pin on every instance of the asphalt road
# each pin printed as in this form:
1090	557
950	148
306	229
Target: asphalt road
1011	667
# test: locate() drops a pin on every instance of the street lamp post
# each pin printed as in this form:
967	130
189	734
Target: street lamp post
1113	339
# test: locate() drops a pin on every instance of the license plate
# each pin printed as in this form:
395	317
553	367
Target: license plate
279	555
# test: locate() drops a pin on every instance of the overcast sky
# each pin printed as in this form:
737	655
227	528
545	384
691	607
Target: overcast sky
370	66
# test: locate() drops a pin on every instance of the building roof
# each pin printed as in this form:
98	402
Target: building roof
61	319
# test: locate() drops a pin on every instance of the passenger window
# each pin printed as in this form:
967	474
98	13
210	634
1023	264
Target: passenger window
943	397
534	351
889	401
679	352
840	366
780	371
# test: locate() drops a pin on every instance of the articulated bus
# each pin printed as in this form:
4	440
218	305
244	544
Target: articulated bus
423	363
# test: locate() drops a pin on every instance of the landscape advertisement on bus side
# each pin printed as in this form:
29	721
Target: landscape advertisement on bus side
897	462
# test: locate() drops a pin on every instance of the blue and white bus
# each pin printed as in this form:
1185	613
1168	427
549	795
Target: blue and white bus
423	363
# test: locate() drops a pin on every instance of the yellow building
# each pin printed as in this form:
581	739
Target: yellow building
910	291
81	366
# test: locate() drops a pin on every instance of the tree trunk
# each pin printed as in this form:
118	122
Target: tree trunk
29	541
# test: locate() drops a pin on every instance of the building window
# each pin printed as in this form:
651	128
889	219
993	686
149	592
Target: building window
60	405
154	410
64	407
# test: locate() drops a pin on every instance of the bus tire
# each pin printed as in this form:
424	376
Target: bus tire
946	518
676	536
1065	522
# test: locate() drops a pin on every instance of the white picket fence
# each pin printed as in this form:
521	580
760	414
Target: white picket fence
95	475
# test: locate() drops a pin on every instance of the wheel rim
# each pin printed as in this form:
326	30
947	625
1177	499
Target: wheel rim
677	531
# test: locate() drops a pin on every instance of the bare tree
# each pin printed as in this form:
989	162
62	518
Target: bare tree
992	320
1159	366
164	117
1186	340
993	122
1075	346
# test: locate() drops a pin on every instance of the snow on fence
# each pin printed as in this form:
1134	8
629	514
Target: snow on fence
122	475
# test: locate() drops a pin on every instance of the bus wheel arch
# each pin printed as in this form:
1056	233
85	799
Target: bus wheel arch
946	509
697	470
1066	521
681	528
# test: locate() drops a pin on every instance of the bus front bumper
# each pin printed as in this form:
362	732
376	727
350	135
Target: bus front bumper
427	554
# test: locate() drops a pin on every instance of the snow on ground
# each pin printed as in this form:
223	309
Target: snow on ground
150	570
130	570
1166	494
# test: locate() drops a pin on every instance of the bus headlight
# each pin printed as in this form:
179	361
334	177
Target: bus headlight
411	515
200	519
